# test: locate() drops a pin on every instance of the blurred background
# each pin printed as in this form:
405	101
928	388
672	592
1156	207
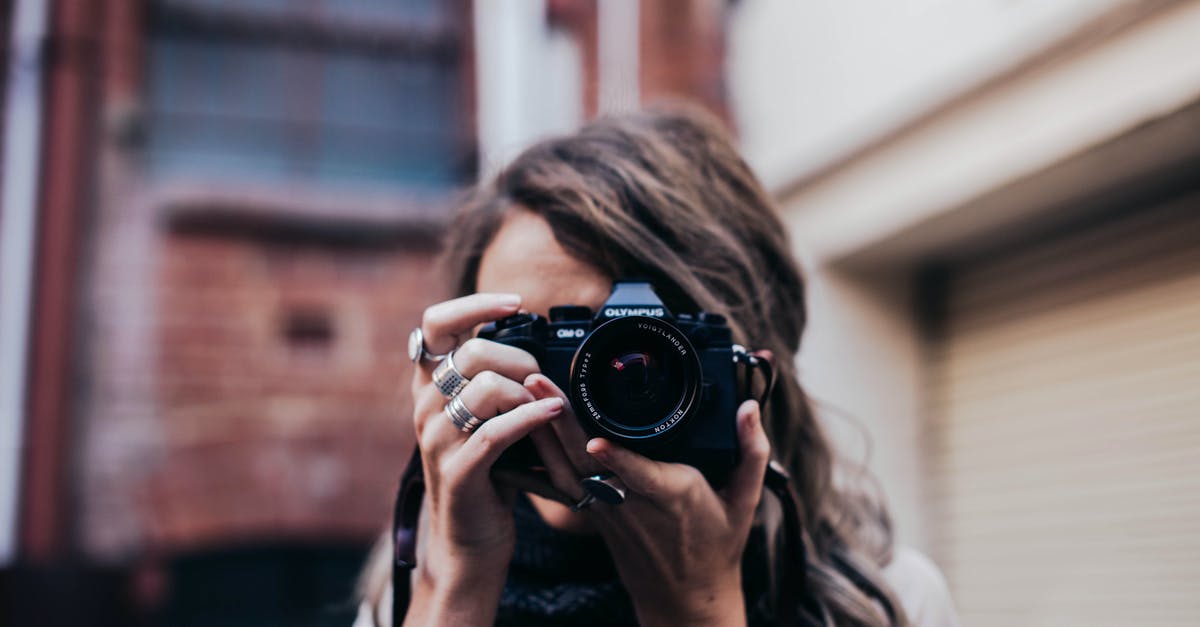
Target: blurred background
219	220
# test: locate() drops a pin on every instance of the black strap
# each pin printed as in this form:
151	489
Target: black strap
405	517
792	580
761	361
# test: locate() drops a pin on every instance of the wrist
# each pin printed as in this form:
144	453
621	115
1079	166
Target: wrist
456	591
721	604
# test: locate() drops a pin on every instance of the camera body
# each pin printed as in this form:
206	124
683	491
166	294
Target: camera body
662	385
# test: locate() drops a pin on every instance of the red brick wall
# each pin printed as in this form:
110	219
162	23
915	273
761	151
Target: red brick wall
233	389
255	391
682	52
281	383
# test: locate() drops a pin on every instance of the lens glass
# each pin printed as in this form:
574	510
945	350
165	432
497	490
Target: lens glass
638	380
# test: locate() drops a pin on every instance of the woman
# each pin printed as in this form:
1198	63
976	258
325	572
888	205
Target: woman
662	196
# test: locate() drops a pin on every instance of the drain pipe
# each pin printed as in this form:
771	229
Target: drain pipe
18	220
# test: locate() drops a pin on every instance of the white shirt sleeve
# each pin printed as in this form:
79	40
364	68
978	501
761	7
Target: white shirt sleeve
367	614
921	589
364	618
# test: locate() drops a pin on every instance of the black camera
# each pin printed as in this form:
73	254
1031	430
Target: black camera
656	383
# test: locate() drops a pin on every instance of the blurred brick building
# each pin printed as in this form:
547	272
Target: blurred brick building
237	212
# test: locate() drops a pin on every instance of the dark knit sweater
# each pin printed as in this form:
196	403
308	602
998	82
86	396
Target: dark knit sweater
559	578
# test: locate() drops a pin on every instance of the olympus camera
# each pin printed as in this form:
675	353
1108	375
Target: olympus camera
663	385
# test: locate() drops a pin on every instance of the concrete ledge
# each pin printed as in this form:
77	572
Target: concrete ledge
925	189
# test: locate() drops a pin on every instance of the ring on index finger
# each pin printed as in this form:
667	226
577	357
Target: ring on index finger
447	378
416	348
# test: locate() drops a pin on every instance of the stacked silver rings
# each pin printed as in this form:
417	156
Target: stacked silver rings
447	378
603	488
450	382
461	416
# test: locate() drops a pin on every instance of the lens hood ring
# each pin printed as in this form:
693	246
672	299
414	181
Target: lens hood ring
661	350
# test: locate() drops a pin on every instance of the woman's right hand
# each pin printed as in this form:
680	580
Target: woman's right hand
466	534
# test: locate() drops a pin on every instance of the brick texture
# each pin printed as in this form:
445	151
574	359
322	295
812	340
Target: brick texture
279	389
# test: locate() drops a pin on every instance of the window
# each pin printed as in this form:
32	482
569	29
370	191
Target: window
340	92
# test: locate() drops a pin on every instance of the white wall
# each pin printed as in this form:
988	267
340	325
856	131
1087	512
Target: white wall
529	80
861	364
18	217
814	79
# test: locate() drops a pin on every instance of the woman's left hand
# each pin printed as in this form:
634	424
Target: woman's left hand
677	543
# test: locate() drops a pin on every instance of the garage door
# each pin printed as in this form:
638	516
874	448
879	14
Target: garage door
1066	428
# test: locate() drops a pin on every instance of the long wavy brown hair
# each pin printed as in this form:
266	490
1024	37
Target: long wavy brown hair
664	195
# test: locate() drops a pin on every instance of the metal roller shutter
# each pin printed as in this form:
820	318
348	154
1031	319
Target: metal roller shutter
1065	431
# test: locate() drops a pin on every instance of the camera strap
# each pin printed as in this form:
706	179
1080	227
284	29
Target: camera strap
792	575
761	361
405	518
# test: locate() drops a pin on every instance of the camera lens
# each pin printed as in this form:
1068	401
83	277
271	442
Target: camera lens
636	387
635	378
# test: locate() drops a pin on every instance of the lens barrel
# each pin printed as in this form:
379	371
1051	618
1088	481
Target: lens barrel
636	379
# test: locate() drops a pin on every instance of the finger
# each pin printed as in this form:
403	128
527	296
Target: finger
542	387
744	490
486	444
476	355
490	394
446	323
427	405
569	433
486	396
563	474
533	482
657	481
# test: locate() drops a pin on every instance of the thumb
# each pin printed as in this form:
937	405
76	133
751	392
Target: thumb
744	489
639	473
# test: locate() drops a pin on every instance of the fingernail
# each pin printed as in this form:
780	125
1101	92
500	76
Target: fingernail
552	405
509	300
748	421
595	447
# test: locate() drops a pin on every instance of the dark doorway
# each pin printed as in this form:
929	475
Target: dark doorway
294	586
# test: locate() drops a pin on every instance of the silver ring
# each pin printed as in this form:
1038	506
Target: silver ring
462	417
583	503
606	488
416	348
448	379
